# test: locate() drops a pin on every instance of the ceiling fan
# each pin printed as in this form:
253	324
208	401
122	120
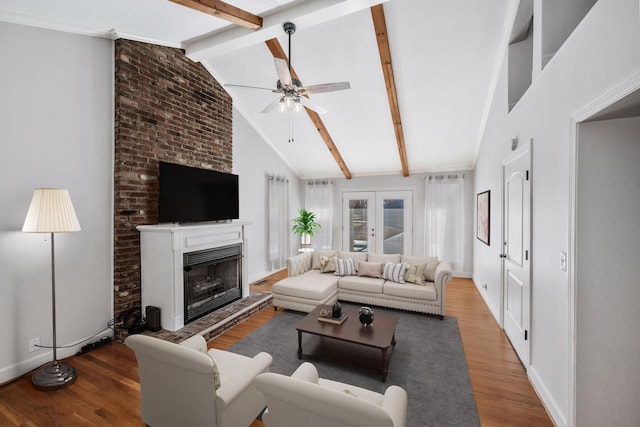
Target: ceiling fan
293	95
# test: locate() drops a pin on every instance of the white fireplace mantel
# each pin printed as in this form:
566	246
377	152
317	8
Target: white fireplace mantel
162	248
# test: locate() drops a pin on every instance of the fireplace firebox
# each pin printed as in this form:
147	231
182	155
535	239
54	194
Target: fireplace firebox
212	279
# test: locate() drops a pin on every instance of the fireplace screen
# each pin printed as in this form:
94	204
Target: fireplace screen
212	279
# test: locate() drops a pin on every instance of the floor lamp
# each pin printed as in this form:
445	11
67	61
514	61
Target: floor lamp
51	211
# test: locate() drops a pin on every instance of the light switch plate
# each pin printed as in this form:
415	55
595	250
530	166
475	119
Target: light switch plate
563	261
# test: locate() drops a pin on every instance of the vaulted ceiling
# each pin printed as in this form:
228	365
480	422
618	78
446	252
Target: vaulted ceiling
422	72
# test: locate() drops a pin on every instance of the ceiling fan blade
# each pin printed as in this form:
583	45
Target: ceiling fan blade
312	105
272	106
283	72
250	87
327	87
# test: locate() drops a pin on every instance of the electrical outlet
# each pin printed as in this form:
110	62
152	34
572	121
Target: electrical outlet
484	286
33	344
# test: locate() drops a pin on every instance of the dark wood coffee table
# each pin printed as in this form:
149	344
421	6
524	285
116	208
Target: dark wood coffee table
349	343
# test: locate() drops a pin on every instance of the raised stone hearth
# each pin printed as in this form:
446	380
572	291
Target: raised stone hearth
220	321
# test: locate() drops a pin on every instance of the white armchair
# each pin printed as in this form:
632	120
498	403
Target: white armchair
177	383
304	399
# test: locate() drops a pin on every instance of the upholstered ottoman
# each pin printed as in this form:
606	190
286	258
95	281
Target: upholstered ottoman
305	294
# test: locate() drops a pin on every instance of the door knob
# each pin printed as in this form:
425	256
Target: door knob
503	255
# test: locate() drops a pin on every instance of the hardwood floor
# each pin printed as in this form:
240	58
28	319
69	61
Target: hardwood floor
107	390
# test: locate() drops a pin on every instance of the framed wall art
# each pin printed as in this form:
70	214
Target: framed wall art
483	216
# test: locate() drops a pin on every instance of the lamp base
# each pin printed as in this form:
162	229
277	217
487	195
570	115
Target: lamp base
54	377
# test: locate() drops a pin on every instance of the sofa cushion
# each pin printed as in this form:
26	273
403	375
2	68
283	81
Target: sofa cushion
430	263
315	257
345	267
410	290
362	284
370	269
357	257
312	285
394	272
383	258
327	264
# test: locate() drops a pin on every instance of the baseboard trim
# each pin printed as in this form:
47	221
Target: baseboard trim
494	311
549	403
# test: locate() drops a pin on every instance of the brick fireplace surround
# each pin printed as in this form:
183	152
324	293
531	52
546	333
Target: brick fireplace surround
167	108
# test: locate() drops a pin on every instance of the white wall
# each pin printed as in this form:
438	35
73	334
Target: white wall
416	183
602	51
253	160
56	130
607	271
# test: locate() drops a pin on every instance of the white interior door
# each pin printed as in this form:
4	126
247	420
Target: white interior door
516	250
380	222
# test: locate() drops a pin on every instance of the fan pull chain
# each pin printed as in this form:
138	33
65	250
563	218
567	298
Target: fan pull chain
290	125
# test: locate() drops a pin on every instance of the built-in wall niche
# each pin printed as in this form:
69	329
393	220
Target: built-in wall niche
540	28
555	21
520	53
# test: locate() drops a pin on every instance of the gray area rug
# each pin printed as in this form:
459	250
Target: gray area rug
428	362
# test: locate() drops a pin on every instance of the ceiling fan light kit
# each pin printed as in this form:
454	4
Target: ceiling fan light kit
293	95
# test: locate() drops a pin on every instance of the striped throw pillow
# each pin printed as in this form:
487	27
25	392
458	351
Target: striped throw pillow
394	272
345	267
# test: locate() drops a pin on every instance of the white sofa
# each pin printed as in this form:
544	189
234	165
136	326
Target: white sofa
304	399
307	287
177	386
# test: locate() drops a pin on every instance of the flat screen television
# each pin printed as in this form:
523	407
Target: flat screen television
189	194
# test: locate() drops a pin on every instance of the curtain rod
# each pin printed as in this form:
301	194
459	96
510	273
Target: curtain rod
277	178
443	177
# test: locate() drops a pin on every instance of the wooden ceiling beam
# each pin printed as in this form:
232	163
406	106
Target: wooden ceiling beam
277	52
224	11
380	25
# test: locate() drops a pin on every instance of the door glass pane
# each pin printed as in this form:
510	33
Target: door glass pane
393	220
358	225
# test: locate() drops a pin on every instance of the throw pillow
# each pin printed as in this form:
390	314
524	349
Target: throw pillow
345	267
370	269
315	257
327	264
357	257
394	272
216	373
415	274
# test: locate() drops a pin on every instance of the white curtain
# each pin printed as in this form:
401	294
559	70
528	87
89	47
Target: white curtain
278	236
445	214
319	200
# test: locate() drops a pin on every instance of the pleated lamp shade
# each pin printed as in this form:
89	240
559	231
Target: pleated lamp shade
51	211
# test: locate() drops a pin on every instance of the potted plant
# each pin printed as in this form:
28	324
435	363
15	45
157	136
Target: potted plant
305	225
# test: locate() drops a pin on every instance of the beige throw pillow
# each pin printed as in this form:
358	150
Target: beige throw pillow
327	264
216	373
430	263
370	269
415	274
315	257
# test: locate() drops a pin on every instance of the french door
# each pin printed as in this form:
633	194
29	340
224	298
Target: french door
378	221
